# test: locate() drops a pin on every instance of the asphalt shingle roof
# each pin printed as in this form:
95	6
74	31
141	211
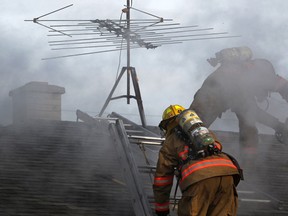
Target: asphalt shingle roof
74	168
61	168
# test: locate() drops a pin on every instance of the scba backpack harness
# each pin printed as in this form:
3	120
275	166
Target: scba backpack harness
199	142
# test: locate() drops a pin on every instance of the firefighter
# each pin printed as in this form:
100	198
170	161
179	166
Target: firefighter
238	84
207	177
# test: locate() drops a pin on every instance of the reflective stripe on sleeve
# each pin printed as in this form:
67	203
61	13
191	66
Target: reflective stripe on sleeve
184	154
206	164
162	206
162	181
218	145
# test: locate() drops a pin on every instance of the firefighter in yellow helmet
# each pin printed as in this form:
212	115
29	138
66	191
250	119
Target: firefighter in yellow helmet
207	177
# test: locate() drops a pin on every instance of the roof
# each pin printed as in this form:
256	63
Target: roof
61	168
104	166
263	191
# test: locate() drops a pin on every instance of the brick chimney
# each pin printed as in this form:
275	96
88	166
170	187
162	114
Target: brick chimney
36	101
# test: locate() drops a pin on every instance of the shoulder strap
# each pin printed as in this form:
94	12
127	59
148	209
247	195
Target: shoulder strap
235	162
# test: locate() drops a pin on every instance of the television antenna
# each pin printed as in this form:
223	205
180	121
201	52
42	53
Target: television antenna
110	34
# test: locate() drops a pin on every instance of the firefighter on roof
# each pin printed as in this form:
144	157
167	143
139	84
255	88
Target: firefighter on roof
207	177
238	84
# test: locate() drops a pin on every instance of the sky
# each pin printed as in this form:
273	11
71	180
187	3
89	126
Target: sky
169	74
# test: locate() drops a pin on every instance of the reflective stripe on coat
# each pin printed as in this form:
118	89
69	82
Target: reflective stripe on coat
171	153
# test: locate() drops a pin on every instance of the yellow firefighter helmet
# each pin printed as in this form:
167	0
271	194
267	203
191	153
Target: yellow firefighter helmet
169	114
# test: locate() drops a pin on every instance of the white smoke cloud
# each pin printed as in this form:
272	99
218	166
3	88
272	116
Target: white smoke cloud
167	75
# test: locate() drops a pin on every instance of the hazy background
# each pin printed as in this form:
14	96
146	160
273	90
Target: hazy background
167	75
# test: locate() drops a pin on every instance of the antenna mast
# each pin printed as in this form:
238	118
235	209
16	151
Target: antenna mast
143	33
130	72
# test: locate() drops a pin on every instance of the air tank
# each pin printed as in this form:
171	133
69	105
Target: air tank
231	54
193	126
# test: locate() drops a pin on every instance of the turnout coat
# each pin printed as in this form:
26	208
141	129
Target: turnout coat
173	156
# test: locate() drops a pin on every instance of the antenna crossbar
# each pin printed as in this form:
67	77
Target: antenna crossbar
110	35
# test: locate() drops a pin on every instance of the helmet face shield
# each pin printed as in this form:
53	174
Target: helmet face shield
164	123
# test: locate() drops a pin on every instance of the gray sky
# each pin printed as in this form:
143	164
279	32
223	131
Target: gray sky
167	75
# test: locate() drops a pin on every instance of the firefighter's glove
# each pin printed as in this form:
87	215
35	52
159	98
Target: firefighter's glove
162	213
279	136
213	61
281	133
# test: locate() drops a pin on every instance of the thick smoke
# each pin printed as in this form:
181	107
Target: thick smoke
24	44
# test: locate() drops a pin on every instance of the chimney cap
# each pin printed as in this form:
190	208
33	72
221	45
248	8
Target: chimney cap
36	86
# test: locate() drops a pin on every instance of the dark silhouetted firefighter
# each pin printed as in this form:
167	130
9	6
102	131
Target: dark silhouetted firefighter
238	84
206	176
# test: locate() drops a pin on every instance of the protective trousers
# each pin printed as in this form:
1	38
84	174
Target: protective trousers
215	196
